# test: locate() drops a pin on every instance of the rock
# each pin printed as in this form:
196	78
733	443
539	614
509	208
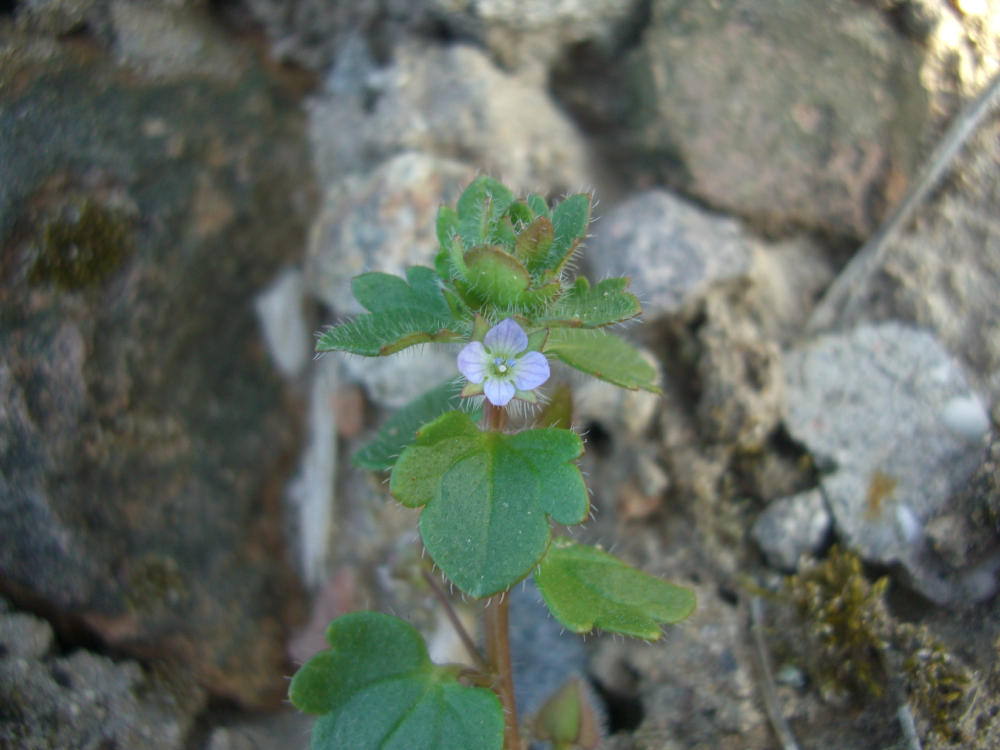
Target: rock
144	436
451	102
83	699
279	731
672	250
383	221
870	406
792	527
283	324
529	35
784	113
739	377
24	636
942	272
311	492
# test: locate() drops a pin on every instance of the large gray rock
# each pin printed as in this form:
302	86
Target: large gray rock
785	112
942	272
672	250
872	406
83	700
450	102
143	432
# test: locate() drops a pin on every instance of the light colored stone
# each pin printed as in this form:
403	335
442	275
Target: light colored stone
282	320
791	527
869	405
382	221
672	250
451	102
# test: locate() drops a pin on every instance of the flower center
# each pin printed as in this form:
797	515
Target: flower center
502	366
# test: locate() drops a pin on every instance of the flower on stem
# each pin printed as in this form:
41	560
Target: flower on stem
501	366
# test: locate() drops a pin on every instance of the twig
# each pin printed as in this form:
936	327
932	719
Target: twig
852	282
781	728
456	623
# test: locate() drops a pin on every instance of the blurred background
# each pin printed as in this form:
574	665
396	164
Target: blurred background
187	188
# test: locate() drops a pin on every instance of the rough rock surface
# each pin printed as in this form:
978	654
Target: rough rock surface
83	699
672	250
450	102
143	431
783	112
870	405
791	527
943	272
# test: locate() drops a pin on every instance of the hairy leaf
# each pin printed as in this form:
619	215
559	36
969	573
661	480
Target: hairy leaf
381	334
376	689
586	588
592	307
570	219
400	430
481	209
488	497
603	355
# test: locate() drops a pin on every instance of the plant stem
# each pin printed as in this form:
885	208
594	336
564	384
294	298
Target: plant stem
456	623
498	655
495	623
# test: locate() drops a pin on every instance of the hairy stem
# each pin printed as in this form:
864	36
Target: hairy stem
498	655
495	624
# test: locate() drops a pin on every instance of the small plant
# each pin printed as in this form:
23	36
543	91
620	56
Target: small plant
488	492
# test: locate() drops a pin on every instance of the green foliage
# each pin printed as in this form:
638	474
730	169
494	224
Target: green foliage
854	644
567	719
604	356
846	617
82	248
401	315
400	430
376	689
488	496
585	587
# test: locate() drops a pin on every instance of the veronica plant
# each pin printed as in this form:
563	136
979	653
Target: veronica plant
487	493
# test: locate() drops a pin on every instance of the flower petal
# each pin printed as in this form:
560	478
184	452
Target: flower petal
472	362
531	370
499	392
506	338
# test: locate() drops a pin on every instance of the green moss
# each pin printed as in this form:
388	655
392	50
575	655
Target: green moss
854	645
845	618
82	248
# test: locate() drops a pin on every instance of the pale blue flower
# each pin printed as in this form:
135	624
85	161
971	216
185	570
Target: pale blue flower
500	363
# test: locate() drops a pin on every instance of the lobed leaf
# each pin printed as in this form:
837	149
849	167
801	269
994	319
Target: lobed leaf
569	219
377	689
592	307
487	497
586	588
603	355
381	334
382	292
481	208
400	430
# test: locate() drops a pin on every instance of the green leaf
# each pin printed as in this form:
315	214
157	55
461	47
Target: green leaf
495	277
377	689
400	430
488	497
570	219
586	588
381	334
447	225
535	240
603	355
401	314
593	307
481	208
538	204
383	292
